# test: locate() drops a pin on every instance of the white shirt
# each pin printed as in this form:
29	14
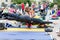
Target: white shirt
27	5
41	6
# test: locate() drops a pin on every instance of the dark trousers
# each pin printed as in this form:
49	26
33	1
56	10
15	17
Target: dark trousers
25	18
1	14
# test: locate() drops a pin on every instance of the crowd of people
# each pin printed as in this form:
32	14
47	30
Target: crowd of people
40	10
32	10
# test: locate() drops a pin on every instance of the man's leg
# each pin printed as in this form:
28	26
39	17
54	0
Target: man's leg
37	21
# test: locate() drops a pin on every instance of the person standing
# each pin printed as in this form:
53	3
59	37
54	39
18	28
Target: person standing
27	5
58	12
23	7
55	7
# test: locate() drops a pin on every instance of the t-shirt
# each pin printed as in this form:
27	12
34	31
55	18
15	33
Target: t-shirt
5	11
58	12
22	5
11	10
42	7
53	11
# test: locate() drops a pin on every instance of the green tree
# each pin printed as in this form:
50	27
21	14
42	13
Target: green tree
21	1
51	5
58	2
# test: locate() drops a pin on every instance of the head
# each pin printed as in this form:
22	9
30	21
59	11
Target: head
27	9
58	7
3	8
6	8
22	3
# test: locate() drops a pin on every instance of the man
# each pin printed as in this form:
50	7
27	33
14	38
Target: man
23	7
25	18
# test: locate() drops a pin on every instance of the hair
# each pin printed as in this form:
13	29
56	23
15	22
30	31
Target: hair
27	9
58	7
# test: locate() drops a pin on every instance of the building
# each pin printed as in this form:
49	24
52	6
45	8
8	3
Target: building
8	2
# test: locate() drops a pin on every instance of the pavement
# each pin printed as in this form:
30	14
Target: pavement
56	26
24	36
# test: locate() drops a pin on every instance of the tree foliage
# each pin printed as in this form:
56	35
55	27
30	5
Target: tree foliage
58	2
21	1
51	5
